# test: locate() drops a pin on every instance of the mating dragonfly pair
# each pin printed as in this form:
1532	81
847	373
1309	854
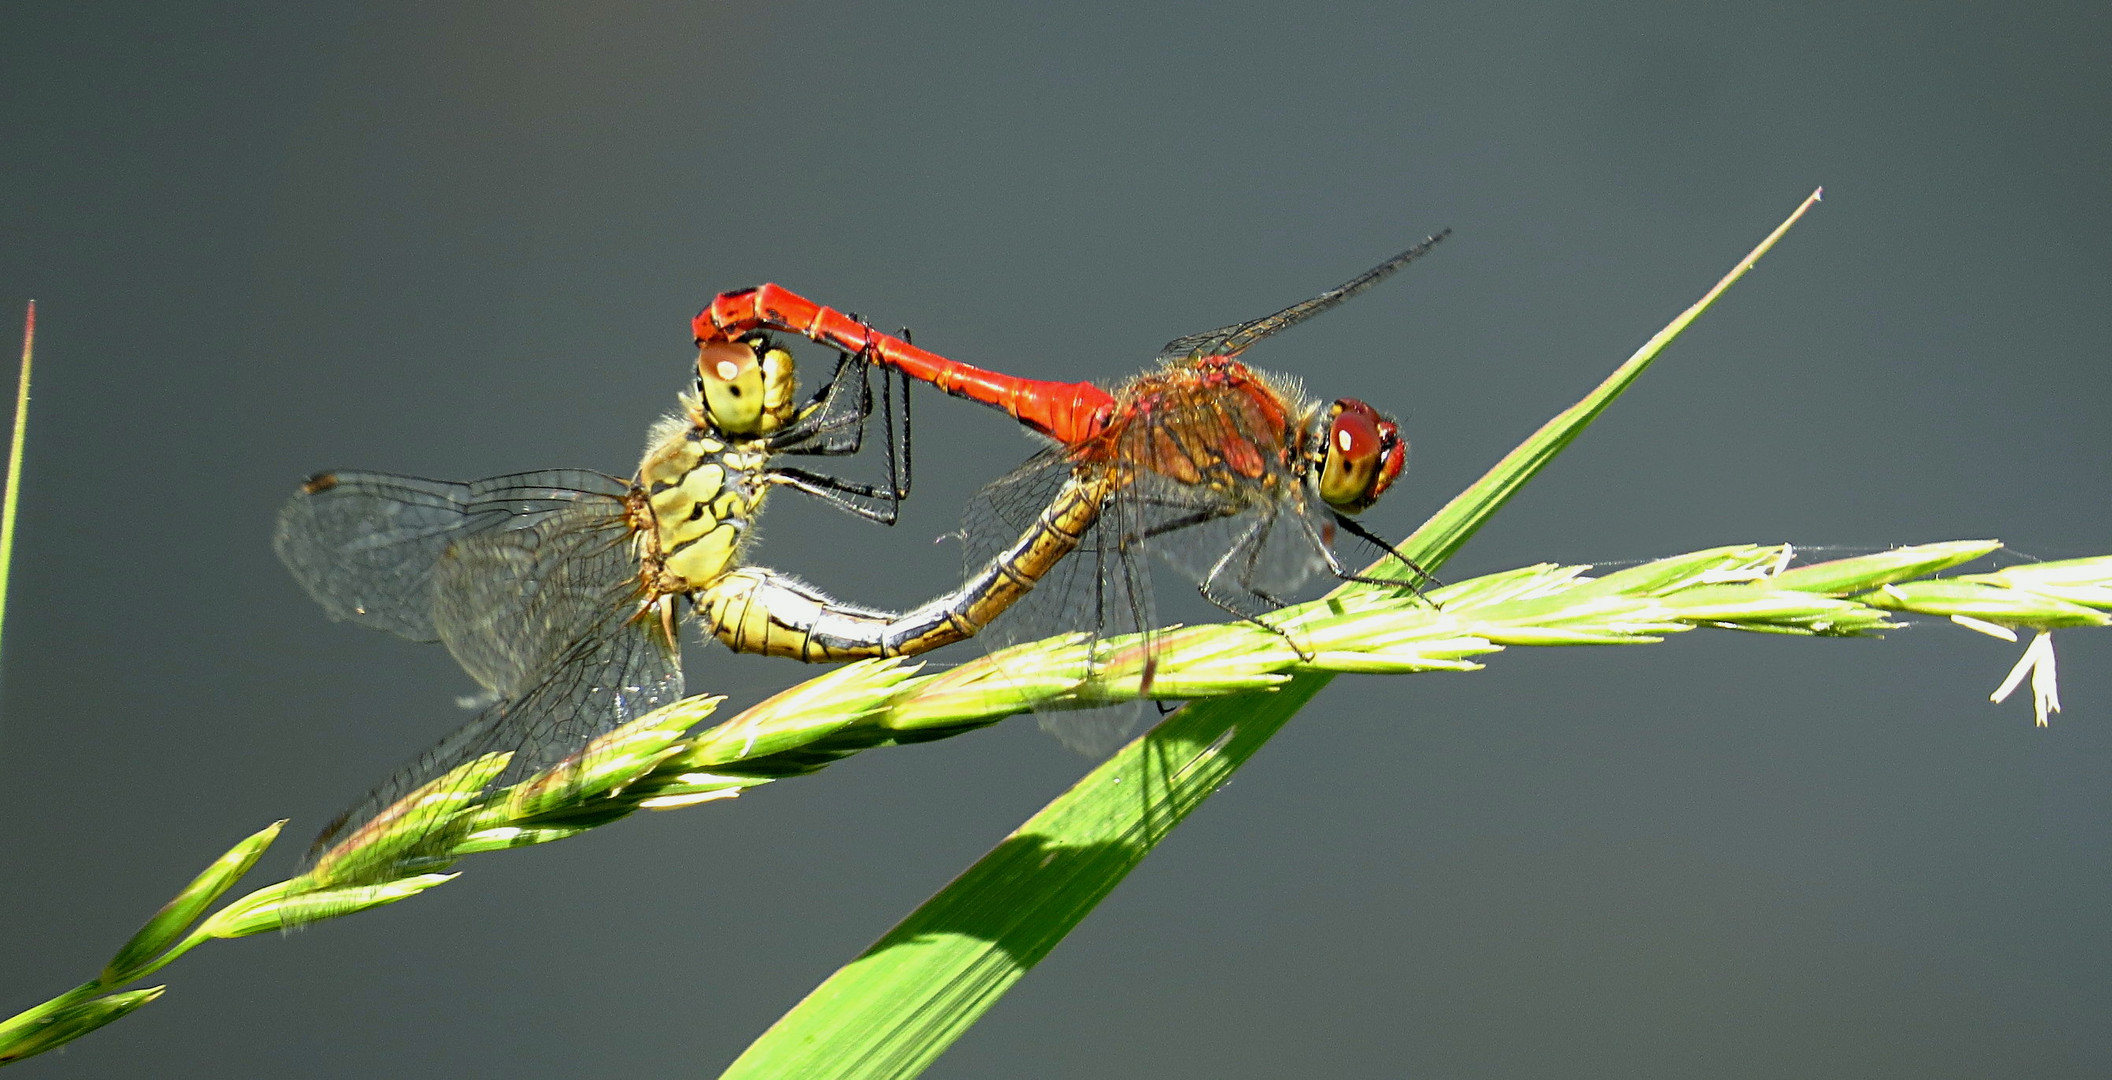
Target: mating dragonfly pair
559	591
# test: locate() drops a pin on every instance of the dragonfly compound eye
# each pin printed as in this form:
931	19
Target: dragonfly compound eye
1364	454
733	382
780	386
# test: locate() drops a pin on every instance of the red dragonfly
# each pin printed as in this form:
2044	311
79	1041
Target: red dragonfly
1253	476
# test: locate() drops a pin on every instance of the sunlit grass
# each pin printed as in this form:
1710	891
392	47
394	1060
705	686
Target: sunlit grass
11	501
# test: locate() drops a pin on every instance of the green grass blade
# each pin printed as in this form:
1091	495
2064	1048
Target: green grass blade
1450	527
895	1009
63	1025
12	500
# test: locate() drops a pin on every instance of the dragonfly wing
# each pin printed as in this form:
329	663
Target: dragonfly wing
1231	340
608	670
1213	491
1006	506
510	602
1096	589
1105	588
1245	549
531	582
365	545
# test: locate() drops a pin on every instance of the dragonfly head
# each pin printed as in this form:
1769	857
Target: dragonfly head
746	386
1363	453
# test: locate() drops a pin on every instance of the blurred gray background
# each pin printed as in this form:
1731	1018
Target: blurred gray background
463	239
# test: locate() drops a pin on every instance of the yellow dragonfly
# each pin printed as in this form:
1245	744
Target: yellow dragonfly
558	591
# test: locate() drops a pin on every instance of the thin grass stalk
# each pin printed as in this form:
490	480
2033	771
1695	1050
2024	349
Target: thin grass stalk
11	500
1076	850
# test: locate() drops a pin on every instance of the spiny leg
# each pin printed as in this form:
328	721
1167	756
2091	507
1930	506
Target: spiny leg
821	429
839	494
1248	540
1334	564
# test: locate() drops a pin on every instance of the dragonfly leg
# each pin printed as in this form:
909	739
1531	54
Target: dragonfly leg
841	494
828	428
1247	543
1248	573
835	483
1251	543
832	422
1334	564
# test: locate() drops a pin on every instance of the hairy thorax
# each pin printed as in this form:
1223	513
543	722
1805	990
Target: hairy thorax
692	502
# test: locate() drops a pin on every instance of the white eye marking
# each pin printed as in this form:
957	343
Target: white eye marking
727	370
1344	440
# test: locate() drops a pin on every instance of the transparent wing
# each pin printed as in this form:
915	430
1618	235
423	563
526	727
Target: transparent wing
613	675
1249	549
546	616
511	602
1231	340
1006	506
366	545
1102	588
1203	488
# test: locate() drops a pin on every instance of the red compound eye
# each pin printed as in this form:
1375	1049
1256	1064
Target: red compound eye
1393	457
1364	454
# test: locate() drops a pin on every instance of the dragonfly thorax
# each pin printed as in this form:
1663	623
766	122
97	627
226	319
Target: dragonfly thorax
705	472
699	490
